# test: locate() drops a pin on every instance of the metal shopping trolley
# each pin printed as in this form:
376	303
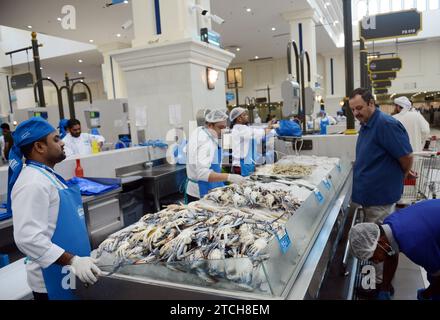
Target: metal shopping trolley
426	185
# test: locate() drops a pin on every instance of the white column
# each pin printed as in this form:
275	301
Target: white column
306	19
4	97
112	75
178	20
166	84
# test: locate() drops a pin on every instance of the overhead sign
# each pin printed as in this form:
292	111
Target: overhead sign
381	84
383	76
21	81
380	91
391	25
384	65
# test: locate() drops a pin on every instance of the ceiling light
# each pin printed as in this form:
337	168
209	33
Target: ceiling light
41	68
59	19
81	80
118	35
273	28
29	27
238	49
256	57
248	9
126	1
80	73
80	61
335	22
91	41
327	4
48	77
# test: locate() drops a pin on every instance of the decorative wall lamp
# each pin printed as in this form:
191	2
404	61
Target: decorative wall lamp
211	77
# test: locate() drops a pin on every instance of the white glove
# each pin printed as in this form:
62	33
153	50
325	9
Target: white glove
236	178
85	269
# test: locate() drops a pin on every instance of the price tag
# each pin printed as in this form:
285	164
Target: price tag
327	183
338	165
283	240
319	197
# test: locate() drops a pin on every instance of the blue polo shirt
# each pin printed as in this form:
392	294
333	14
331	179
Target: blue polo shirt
377	176
416	230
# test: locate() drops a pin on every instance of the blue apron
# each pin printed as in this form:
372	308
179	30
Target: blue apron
247	164
205	186
70	234
324	123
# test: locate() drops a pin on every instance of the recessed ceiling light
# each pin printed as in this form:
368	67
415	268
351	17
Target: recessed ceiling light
256	57
327	4
248	9
48	77
126	1
238	49
59	19
29	27
80	61
118	35
335	22
81	80
273	28
41	68
91	41
80	73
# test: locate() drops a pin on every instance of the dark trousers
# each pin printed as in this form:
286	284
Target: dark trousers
40	296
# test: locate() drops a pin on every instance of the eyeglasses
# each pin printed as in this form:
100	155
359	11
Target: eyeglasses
389	252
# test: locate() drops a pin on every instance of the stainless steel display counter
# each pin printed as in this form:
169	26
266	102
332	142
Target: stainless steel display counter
297	274
103	215
159	181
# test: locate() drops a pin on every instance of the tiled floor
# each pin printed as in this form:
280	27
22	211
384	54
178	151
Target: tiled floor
407	280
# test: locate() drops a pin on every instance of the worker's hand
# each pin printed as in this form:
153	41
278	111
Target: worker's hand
412	175
85	269
420	295
236	178
383	295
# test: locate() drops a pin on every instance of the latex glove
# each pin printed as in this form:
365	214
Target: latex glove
419	294
383	295
236	178
85	269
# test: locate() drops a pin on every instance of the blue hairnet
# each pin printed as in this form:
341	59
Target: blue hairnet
26	132
62	126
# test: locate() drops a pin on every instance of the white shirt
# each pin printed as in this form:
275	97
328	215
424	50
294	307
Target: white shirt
416	126
35	204
201	151
240	136
81	145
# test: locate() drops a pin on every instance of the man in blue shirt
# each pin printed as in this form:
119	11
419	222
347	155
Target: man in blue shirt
414	231
383	158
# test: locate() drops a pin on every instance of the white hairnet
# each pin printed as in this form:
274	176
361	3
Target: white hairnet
363	239
236	112
216	116
403	102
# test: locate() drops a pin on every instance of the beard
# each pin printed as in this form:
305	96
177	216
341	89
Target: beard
76	135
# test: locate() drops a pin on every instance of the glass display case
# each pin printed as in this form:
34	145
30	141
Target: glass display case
270	275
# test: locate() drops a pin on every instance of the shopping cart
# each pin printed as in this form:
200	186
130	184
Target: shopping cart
426	185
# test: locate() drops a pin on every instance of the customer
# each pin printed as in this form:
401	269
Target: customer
383	159
414	123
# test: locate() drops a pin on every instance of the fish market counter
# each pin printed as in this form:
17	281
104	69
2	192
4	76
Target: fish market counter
273	271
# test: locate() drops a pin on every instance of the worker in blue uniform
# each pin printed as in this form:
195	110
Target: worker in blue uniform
414	231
